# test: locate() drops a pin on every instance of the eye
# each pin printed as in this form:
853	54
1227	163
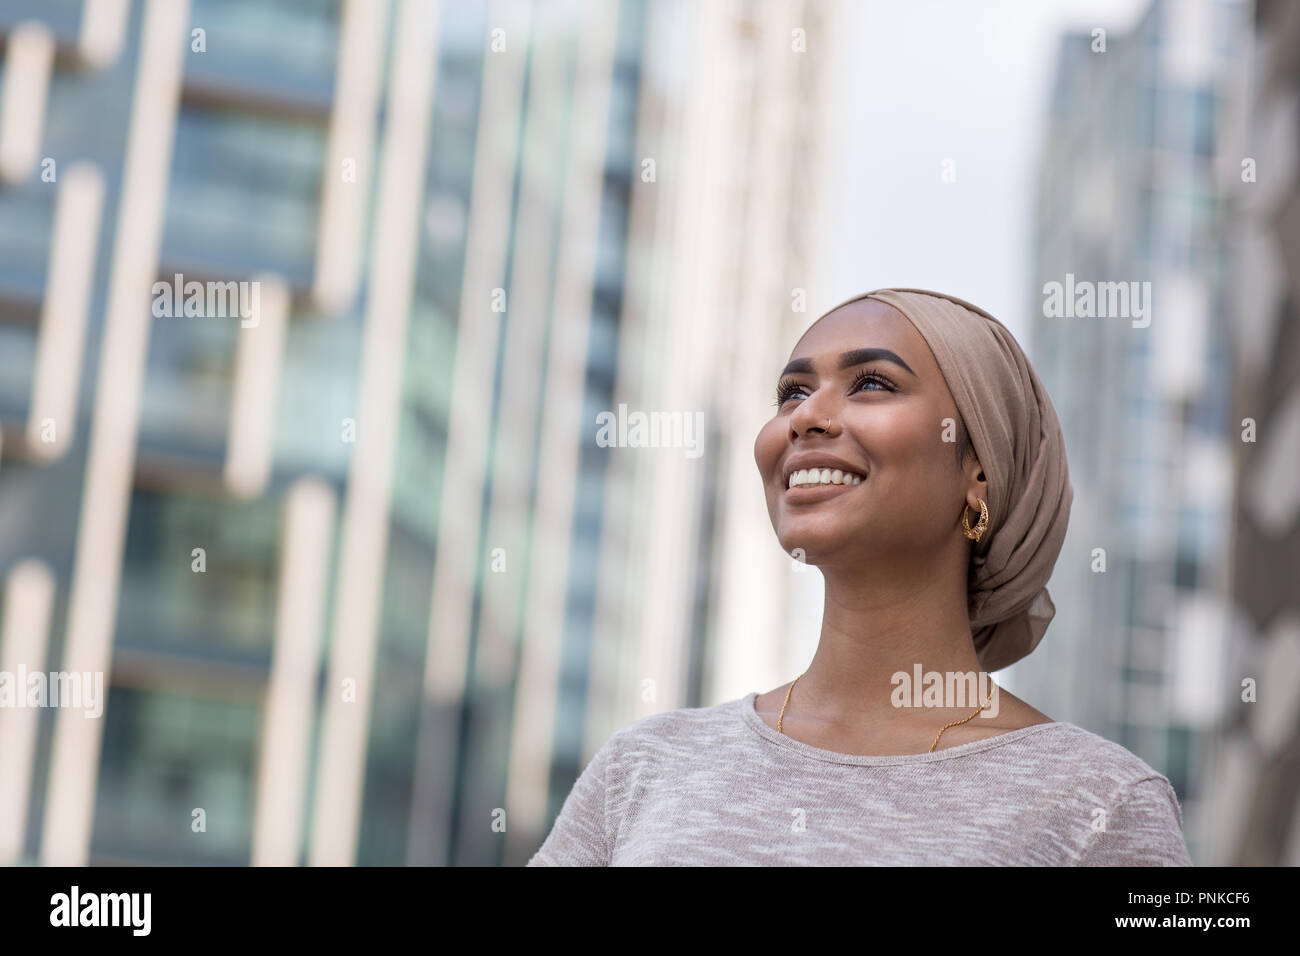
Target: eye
865	376
785	390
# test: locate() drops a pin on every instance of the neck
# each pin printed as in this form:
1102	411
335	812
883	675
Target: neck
877	625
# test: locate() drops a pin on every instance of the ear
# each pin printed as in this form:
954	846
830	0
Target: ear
977	485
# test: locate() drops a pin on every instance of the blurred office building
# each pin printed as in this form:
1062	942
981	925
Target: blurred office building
310	312
1253	791
1129	207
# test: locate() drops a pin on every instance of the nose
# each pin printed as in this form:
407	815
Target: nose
812	415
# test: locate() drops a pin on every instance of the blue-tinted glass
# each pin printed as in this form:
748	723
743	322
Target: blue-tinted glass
245	194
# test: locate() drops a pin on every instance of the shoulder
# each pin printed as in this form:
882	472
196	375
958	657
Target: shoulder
683	725
670	736
1127	812
1101	758
1135	816
1103	773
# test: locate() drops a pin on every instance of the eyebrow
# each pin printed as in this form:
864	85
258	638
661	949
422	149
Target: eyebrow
849	359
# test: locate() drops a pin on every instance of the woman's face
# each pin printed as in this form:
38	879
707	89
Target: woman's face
846	404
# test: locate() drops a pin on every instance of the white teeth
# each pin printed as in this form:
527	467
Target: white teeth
823	476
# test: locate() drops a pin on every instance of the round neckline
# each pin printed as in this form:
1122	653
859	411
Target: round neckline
754	721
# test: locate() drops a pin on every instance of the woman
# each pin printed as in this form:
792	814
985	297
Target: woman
914	458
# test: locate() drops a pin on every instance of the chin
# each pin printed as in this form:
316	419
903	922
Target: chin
824	524
816	544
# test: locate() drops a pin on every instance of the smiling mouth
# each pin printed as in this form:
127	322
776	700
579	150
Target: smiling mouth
822	477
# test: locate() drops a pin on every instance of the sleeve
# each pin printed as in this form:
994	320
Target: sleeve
1143	829
581	834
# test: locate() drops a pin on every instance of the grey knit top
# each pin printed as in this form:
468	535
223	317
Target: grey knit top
716	786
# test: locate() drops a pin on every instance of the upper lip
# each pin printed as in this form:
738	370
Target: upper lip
813	459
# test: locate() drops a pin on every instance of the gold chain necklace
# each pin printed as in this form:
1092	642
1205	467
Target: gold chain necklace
936	739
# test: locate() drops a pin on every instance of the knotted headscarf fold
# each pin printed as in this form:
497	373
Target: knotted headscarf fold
1017	436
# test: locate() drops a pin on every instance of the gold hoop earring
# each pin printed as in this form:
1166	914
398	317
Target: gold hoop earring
974	533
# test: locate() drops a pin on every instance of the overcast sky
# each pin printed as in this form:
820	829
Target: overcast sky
924	81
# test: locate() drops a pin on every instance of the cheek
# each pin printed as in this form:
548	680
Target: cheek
767	446
925	467
908	452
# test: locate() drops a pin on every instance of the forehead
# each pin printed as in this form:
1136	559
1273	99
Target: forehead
867	323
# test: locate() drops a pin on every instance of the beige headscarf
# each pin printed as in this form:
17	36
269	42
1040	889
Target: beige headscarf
1017	436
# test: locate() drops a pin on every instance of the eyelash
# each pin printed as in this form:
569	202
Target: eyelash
786	388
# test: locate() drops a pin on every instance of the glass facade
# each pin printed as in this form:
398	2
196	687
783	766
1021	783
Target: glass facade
196	619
